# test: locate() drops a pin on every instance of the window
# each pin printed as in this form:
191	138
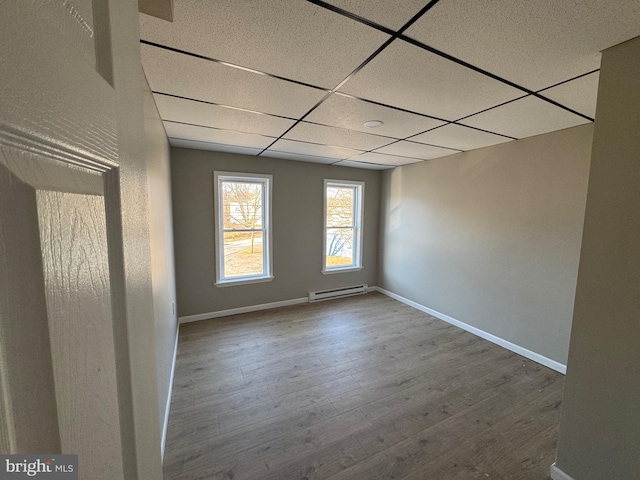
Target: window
243	231
342	226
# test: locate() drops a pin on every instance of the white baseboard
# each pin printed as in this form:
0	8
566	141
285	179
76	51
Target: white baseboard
237	311
536	357
168	407
557	474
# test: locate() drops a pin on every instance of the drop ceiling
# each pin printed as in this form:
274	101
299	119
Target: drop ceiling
298	79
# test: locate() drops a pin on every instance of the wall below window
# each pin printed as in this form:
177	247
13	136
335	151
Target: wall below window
297	219
492	237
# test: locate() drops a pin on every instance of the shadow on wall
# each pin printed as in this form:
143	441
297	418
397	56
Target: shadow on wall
395	200
475	165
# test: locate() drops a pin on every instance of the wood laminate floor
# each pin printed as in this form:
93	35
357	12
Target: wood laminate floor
358	388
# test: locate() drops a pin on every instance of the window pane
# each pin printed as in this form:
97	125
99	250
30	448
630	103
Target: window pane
243	254
340	202
339	247
242	205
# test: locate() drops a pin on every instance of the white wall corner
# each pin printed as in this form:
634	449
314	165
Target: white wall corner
557	474
536	357
168	405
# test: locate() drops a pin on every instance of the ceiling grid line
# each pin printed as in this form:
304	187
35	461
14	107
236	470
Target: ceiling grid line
413	19
274	136
353	16
229	64
252	78
400	34
490	108
490	75
214	128
397	34
381	104
394	139
155	92
568	80
447	122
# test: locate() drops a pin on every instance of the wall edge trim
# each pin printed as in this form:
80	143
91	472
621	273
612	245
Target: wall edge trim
168	404
536	357
557	474
237	311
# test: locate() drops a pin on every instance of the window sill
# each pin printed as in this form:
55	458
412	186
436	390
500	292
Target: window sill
242	281
341	270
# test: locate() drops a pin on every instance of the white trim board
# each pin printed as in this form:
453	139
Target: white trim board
536	357
237	311
168	406
557	474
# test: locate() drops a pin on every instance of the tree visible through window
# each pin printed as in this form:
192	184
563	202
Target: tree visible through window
343	225
243	227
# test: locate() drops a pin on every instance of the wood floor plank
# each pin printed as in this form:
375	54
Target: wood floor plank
224	423
322	463
357	388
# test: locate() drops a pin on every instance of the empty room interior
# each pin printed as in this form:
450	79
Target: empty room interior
307	239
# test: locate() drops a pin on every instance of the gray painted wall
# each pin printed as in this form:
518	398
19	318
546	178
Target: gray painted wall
491	237
600	426
161	248
297	216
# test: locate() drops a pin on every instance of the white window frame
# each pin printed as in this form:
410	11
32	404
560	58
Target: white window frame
267	254
358	216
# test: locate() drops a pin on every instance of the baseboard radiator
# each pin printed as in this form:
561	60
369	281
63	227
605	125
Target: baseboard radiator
332	293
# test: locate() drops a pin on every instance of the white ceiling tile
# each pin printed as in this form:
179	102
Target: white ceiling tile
580	94
291	146
338	137
535	43
186	76
290	38
348	112
366	165
213	147
415	150
188	111
298	157
459	137
407	76
532	43
212	135
389	14
524	118
383	159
